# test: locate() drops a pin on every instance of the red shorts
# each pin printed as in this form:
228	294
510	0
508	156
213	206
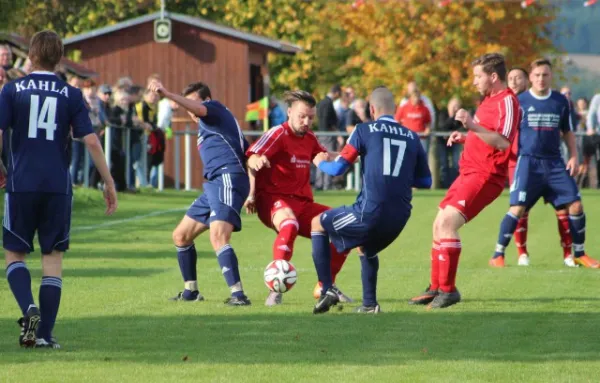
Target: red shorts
304	210
471	193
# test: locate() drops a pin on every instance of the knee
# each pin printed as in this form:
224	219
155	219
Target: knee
181	238
315	224
517	211
576	208
219	238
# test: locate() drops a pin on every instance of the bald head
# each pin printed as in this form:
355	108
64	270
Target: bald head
382	102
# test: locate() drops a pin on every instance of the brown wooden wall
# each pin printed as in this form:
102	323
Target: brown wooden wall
193	55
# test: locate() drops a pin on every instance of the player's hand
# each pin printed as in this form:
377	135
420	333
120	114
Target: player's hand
464	117
157	87
110	197
250	205
573	166
455	138
256	162
320	157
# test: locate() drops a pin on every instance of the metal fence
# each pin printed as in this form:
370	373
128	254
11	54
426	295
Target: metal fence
353	179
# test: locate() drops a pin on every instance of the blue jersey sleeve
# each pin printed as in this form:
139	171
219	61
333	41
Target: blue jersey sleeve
422	176
334	168
566	119
5	107
213	113
80	120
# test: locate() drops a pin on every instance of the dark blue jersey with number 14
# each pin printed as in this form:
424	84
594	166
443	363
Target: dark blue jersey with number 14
37	113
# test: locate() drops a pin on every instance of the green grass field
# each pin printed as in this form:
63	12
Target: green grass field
536	324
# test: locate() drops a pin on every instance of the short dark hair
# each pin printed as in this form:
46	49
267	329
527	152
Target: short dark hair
492	63
291	97
521	69
539	62
198	87
46	50
336	89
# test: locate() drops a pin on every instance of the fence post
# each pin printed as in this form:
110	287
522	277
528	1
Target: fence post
107	144
127	133
161	177
144	160
86	167
433	162
188	162
177	156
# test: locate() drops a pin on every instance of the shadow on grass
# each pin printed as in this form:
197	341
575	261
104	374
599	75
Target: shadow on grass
113	252
249	338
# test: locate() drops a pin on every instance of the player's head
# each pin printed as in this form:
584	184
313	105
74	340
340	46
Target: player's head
489	73
197	91
45	50
381	102
518	80
301	110
540	76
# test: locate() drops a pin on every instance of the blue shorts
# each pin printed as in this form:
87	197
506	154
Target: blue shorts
222	200
47	213
348	227
548	178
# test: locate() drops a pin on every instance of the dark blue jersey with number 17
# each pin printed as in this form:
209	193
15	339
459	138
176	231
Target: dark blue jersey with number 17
392	159
37	113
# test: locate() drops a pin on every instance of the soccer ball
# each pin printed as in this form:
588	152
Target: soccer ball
280	276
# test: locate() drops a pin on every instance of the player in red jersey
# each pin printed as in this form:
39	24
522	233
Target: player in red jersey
518	82
281	194
483	172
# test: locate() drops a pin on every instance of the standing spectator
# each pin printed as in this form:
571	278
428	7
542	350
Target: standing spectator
448	156
276	115
593	117
410	88
146	111
327	123
123	116
356	115
415	116
5	57
104	93
77	147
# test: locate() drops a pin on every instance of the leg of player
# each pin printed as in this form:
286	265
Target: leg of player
19	280
520	235
432	290
50	293
369	267
322	258
183	238
507	228
447	225
286	224
220	235
337	262
566	240
577	220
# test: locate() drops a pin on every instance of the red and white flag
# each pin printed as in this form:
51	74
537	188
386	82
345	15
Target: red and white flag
526	3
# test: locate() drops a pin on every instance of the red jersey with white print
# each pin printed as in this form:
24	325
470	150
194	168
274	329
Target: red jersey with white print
499	113
290	157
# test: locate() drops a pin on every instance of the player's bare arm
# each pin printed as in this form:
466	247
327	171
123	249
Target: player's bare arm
250	203
456	138
572	163
195	107
94	147
257	162
494	139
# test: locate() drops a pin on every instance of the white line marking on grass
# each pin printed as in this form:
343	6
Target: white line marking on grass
125	220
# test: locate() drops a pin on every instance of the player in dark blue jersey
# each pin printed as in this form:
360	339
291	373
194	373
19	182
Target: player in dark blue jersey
222	147
392	162
37	114
540	170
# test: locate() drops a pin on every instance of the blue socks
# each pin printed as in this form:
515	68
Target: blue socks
230	270
322	258
19	281
507	228
187	258
50	292
578	233
368	274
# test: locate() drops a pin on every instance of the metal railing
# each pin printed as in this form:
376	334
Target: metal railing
353	179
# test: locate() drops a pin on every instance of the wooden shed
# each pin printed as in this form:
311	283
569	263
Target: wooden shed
233	64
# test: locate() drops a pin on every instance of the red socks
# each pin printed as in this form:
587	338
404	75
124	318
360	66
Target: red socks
435	266
448	263
283	246
521	234
337	261
566	241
